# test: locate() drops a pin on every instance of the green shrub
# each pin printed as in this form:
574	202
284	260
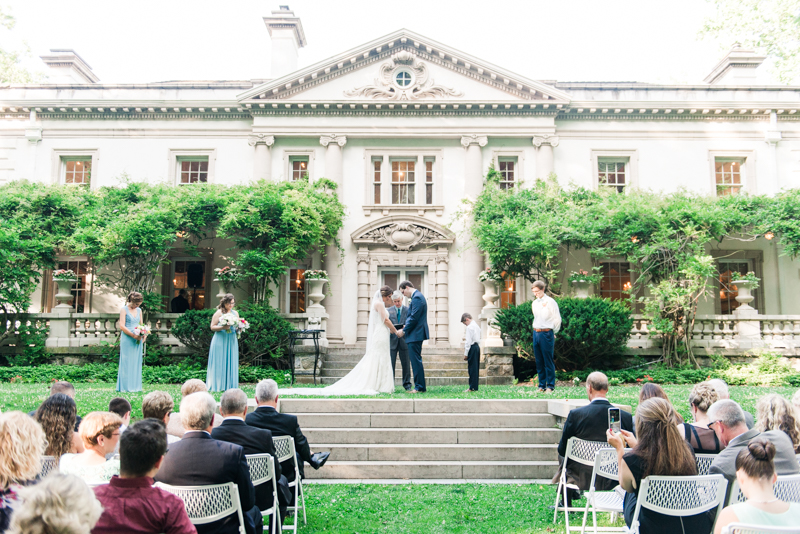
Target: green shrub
592	329
105	372
267	337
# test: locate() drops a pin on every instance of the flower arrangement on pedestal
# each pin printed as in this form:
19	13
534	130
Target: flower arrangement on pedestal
64	274
752	279
582	275
315	274
226	277
490	275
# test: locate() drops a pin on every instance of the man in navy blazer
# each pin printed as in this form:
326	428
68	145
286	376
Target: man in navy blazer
200	460
415	332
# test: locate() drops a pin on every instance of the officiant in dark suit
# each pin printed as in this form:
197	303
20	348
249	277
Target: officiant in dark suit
398	314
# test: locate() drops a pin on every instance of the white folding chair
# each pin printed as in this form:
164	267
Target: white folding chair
582	452
49	464
605	465
679	496
704	462
284	449
206	504
787	489
262	470
741	528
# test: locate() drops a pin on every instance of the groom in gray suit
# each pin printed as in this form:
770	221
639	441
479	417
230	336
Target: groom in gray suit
415	332
398	314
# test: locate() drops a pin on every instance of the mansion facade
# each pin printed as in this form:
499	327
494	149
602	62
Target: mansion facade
408	127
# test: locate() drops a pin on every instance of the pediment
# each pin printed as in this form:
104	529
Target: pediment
403	233
403	66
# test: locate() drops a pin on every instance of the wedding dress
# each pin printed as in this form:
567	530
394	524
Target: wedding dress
373	374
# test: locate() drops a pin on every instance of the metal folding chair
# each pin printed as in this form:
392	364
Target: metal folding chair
787	489
284	448
262	470
605	465
582	452
206	504
741	528
49	464
704	462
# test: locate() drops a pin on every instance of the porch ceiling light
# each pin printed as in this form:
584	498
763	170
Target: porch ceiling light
769	236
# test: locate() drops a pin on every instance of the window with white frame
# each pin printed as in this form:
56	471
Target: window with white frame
616	283
298	166
612	173
729	175
376	179
403	181
730	270
81	289
507	166
192	170
429	180
297	291
508	294
76	170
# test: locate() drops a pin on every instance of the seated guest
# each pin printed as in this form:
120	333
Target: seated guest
701	438
776	413
159	405
756	475
174	427
233	407
100	434
658	449
796	403
726	418
651	390
60	504
62	386
267	416
131	504
122	408
57	416
588	423
200	460
22	444
724	394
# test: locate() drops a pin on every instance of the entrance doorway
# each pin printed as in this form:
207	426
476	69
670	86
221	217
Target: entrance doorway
392	276
189	274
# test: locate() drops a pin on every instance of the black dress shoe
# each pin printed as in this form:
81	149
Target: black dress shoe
318	459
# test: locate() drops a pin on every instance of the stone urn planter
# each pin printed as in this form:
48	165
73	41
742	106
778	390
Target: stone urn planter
315	292
744	289
490	293
224	287
64	294
581	288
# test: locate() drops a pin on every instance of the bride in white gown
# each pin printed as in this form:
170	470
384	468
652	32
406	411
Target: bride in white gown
373	374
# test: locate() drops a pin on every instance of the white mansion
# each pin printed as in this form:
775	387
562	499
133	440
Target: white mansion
408	128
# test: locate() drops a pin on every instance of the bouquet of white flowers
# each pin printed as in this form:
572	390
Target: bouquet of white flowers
142	330
228	321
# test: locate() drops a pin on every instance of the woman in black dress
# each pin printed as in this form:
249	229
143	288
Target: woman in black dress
658	449
702	439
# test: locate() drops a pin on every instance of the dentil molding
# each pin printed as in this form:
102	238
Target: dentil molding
340	140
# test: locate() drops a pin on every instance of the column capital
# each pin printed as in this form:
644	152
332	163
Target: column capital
551	140
261	139
474	139
327	139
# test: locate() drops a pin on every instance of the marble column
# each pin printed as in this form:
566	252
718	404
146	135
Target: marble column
442	336
363	294
472	257
544	154
334	172
262	159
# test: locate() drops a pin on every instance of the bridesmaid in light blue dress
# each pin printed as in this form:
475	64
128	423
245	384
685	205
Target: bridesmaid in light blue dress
131	346
223	357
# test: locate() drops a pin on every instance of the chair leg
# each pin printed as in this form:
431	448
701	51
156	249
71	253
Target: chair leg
303	497
586	514
555	504
566	508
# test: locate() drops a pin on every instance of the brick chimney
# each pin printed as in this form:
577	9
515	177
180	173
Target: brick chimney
66	66
737	68
288	38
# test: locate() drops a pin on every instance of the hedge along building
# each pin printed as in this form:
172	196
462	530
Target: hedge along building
407	127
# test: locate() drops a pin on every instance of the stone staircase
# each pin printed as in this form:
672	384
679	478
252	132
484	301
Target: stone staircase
419	438
444	366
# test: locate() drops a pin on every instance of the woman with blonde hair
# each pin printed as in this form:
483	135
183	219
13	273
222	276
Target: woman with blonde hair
658	449
755	473
100	434
60	504
702	439
131	344
22	442
57	415
773	412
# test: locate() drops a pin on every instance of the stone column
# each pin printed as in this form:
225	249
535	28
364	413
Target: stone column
544	154
772	137
442	296
363	294
473	258
262	159
333	171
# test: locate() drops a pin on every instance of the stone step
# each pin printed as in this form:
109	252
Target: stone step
359	350
435	469
440	452
412	405
446	364
393	436
429	381
425	420
339	373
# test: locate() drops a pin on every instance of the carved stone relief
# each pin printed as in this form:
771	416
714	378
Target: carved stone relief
405	77
404	236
